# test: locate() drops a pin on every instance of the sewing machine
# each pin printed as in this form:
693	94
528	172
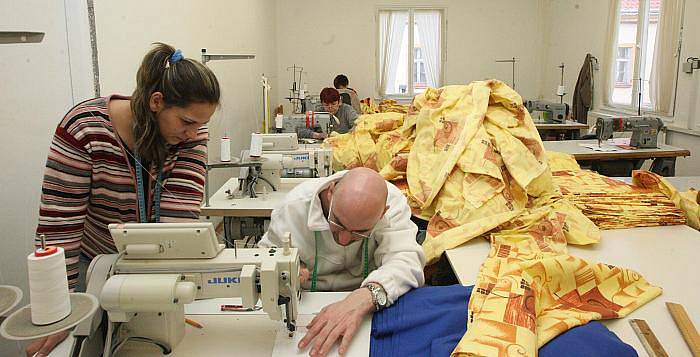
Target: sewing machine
645	130
279	142
162	266
321	122
552	112
281	159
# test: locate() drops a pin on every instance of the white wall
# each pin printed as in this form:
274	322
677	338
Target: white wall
576	27
125	30
331	37
34	95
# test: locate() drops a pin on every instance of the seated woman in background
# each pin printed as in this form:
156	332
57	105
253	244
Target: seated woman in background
344	115
120	159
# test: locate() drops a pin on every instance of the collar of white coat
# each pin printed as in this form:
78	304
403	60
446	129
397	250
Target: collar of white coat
317	219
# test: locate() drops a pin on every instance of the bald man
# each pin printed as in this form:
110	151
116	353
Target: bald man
354	233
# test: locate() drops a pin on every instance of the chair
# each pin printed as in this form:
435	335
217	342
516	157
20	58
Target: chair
345	97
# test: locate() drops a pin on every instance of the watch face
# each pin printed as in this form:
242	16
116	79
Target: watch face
381	299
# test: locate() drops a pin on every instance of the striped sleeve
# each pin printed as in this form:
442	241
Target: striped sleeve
184	187
65	193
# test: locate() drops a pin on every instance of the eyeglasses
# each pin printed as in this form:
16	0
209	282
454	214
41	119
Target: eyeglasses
355	234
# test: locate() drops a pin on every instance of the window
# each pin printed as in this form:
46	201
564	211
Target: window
642	68
410	58
623	67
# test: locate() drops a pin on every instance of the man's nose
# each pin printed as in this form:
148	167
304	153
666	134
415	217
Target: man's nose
344	237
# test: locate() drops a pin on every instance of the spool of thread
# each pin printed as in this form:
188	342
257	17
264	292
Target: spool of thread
48	285
225	148
561	90
256	145
279	121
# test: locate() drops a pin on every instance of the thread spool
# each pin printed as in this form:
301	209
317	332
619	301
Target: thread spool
48	285
256	145
225	149
279	121
561	90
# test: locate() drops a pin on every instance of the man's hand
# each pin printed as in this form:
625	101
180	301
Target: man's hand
43	346
304	274
318	136
336	321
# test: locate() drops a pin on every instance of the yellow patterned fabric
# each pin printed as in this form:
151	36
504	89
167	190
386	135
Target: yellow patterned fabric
561	161
375	141
476	162
613	204
471	162
529	290
688	202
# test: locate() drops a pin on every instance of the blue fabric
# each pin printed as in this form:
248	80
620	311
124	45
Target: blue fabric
430	321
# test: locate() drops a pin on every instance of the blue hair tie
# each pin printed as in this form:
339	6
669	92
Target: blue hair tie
176	56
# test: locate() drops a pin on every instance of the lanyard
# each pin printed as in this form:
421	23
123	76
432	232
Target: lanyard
141	193
365	260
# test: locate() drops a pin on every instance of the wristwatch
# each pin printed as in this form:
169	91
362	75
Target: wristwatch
378	296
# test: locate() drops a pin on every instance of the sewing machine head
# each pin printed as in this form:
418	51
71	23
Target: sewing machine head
279	141
645	130
552	112
162	266
321	122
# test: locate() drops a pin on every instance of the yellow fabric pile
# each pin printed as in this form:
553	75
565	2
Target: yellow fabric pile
529	290
688	201
471	162
367	106
390	105
613	204
375	141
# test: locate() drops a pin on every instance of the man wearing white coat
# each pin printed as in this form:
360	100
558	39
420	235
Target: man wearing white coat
354	233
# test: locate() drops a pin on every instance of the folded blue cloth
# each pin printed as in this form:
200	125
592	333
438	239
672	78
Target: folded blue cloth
430	321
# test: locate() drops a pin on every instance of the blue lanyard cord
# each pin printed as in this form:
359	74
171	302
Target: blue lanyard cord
141	193
365	260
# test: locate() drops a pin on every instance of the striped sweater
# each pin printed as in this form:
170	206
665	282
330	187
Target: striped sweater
89	183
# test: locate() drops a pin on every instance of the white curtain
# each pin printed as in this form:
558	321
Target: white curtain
663	68
391	29
428	25
610	52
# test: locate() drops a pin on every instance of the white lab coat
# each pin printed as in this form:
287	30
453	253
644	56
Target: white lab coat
396	261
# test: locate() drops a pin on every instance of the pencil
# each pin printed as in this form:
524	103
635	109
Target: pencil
193	323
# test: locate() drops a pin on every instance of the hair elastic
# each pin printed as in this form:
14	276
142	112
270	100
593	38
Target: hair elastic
176	56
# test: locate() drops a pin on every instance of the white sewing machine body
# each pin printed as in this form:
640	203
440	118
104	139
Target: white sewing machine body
144	290
283	160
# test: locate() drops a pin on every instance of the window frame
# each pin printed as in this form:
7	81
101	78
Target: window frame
410	93
638	61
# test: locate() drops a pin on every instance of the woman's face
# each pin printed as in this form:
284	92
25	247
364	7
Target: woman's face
179	124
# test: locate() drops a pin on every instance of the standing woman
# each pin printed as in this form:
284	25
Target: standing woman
121	159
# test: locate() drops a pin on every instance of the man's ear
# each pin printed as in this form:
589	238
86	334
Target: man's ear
155	102
330	190
386	208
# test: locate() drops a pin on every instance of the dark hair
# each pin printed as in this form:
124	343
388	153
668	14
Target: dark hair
340	80
329	95
182	82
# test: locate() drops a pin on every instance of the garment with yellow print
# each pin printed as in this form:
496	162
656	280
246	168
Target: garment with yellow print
529	290
613	204
476	162
688	202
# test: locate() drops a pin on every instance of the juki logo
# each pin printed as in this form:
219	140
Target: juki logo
224	280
